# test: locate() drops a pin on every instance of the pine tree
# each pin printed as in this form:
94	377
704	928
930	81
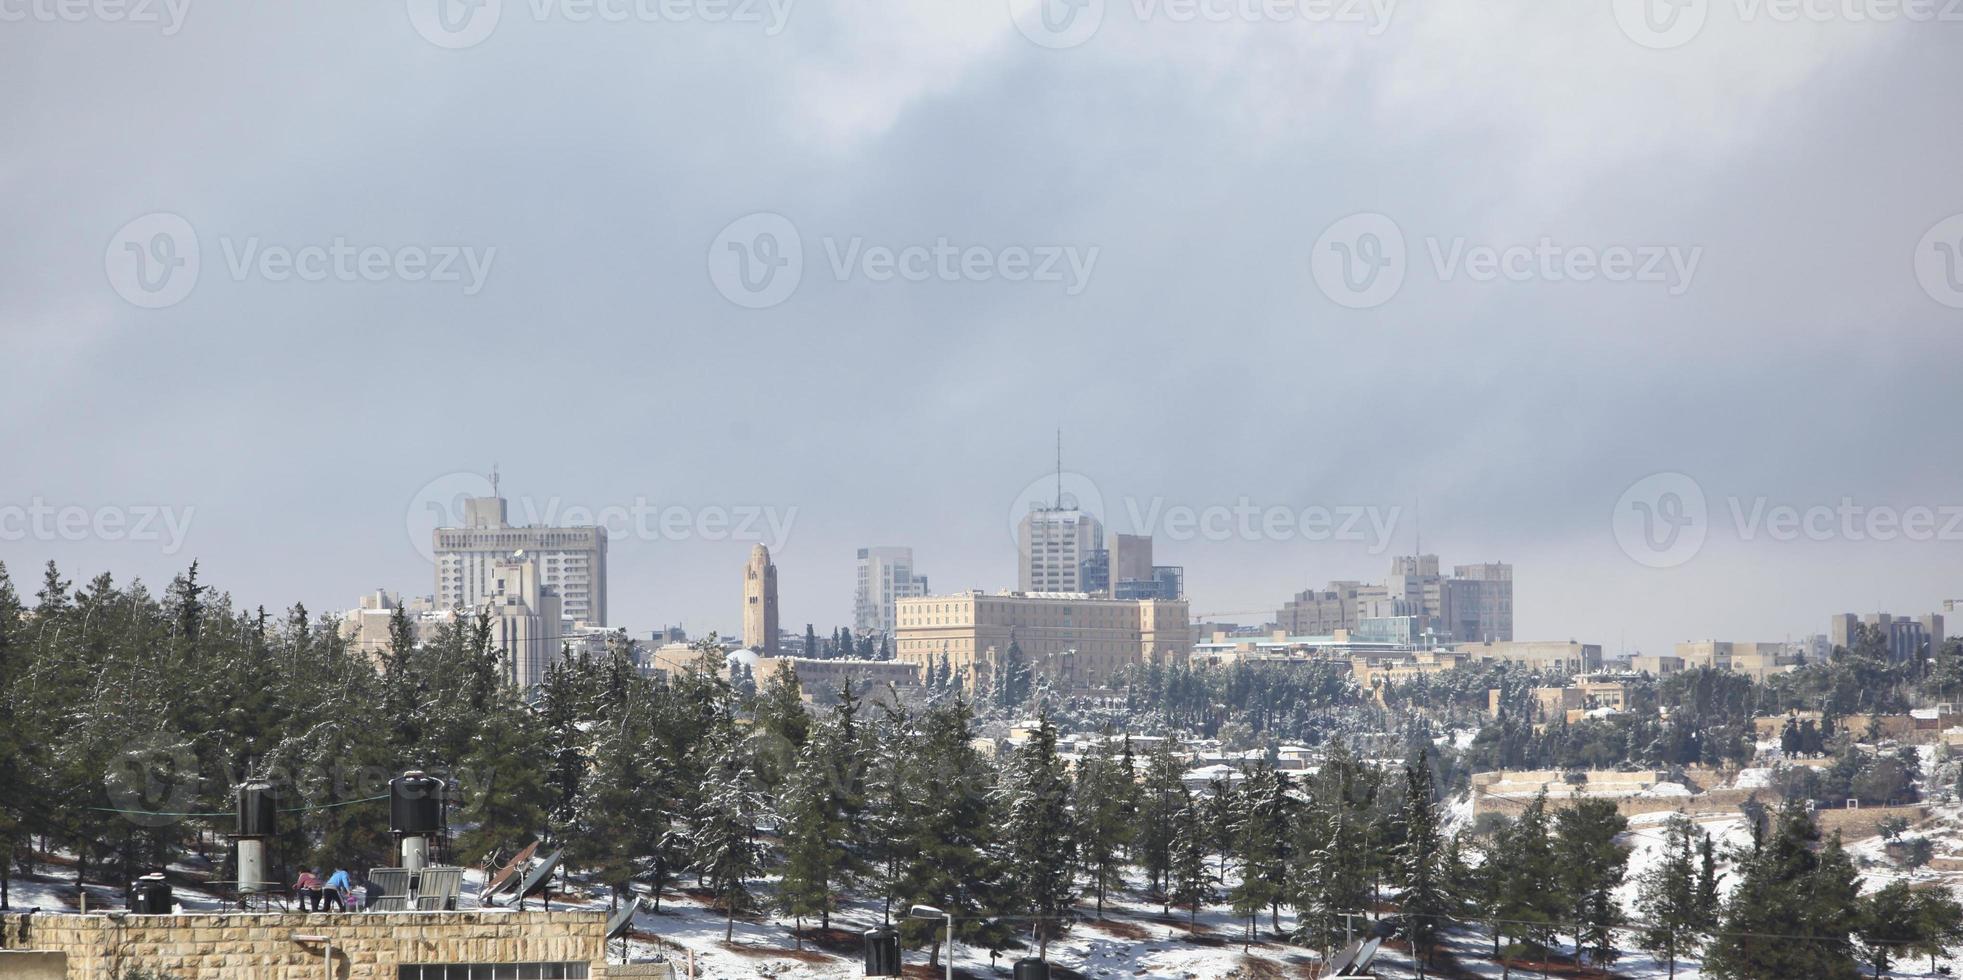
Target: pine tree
1190	881
1106	811
1255	848
1793	909
724	832
1890	925
1158	814
1939	923
17	791
1039	835
946	825
1526	876
782	726
563	714
1012	683
1592	866
813	839
1330	876
1667	896
1420	874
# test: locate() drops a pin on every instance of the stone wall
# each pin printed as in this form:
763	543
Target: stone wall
366	945
16	965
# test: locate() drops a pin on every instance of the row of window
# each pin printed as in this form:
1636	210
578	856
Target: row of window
491	971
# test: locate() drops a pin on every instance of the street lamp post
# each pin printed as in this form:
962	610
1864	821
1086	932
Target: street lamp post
930	912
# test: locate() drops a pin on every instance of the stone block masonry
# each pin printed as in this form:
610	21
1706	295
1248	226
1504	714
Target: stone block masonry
366	945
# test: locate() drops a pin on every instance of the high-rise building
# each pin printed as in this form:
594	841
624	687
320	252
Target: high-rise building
1054	543
1131	558
760	603
1490	601
572	560
525	618
1472	605
1076	641
885	574
1905	639
1843	629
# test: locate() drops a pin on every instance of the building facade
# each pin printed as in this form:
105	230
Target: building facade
526	620
1053	544
760	603
885	574
572	560
1076	640
1550	656
1474	604
366	627
466	945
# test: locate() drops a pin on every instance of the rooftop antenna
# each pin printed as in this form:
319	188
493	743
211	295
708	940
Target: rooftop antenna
1059	469
1418	525
494	479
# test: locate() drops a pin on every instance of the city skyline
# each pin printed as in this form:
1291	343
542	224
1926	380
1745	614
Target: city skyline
810	585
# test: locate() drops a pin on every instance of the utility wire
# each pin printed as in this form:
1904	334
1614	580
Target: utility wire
227	813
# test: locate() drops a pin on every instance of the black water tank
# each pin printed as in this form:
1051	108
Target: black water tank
416	804
257	810
150	895
1031	968
882	953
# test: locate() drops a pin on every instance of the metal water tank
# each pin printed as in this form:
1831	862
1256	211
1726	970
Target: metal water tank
416	804
150	895
1031	968
882	952
258	811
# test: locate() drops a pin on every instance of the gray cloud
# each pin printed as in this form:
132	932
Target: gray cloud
1201	364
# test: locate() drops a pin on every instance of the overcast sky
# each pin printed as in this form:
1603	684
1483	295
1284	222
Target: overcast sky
637	263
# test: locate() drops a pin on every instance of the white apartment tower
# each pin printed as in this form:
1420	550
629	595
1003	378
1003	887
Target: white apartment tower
885	574
524	618
1053	543
572	561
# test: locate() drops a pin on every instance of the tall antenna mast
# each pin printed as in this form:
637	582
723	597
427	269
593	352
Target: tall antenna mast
1418	526
1059	469
494	479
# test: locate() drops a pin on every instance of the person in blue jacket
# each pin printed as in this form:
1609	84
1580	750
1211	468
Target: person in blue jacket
335	890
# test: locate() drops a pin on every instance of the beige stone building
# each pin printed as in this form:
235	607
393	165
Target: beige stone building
760	603
468	945
525	618
1078	641
1754	660
572	560
1656	664
366	627
1375	672
1554	656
